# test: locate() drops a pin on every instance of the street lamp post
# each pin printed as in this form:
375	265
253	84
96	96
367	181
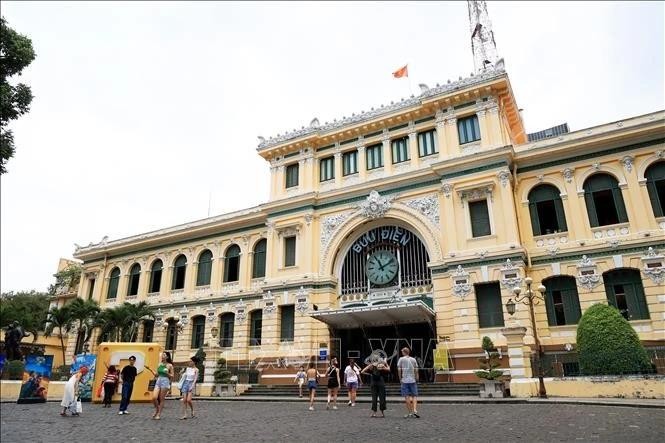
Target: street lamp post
531	298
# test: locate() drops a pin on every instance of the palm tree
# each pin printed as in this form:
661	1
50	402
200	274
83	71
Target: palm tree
111	321
60	318
84	312
137	313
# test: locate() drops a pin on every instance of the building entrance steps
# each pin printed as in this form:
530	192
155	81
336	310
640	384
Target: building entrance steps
424	390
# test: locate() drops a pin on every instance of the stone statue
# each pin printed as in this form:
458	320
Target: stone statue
13	336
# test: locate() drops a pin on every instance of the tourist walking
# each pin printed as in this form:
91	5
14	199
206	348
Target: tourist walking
377	371
351	380
312	383
71	392
407	368
127	377
188	386
109	383
162	384
300	378
333	382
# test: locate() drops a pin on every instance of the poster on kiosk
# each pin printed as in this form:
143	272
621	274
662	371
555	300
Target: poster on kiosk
117	354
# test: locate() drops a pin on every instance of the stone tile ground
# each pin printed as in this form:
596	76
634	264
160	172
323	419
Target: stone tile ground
247	421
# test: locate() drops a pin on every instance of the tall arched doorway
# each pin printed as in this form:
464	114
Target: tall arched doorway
384	297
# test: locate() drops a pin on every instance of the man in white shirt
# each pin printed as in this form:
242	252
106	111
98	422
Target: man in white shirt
407	368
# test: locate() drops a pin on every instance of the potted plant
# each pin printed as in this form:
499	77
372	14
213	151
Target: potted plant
492	384
222	377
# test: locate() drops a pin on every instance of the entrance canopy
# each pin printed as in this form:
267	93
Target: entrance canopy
377	315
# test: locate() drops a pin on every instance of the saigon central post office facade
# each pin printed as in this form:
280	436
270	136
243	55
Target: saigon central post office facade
409	224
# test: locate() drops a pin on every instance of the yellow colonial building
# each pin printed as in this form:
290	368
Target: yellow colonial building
411	224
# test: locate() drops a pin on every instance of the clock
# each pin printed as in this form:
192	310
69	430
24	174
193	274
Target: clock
381	267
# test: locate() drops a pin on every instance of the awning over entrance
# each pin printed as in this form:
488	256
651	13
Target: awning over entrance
381	315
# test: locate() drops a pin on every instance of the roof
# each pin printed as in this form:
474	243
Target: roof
554	131
426	93
377	315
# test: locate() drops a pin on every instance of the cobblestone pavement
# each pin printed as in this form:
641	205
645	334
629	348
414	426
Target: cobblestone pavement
270	421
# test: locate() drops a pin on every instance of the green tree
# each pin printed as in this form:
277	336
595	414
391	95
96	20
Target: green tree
490	362
66	280
16	53
111	322
83	314
27	308
608	345
61	319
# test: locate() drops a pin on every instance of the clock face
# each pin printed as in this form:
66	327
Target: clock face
381	267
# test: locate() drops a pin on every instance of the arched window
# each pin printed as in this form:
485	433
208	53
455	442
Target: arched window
546	209
113	284
198	331
562	301
255	325
155	276
259	263
205	268
655	175
171	334
232	263
134	277
226	329
604	202
179	269
625	292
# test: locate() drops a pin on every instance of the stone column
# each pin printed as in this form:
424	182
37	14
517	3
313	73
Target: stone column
273	181
521	383
301	175
451	136
362	163
338	167
413	147
387	157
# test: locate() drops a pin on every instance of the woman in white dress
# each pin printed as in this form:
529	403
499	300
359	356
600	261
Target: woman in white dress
71	391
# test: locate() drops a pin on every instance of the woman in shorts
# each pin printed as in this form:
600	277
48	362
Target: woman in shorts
351	378
300	378
312	380
188	385
162	385
333	382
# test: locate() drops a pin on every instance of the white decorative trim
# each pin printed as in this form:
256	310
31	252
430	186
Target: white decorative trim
627	162
240	312
478	193
211	313
568	174
428	206
461	283
446	188
504	177
587	275
510	276
375	206
302	301
654	265
330	225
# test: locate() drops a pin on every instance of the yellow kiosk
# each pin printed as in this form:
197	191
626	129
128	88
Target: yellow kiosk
147	355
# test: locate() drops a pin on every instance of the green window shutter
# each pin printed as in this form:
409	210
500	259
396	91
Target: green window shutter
204	269
560	215
287	323
489	307
480	220
636	301
259	259
571	305
591	208
292	175
653	198
290	251
618	202
535	222
549	307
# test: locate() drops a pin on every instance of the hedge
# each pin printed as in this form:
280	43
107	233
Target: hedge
608	345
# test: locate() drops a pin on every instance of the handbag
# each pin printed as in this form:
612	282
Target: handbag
181	381
99	390
79	406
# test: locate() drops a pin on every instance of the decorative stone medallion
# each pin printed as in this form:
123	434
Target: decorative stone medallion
587	275
654	266
461	284
375	206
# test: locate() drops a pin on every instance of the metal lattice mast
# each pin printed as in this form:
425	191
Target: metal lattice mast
482	38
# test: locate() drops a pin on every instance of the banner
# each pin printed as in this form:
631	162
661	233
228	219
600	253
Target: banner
86	383
36	377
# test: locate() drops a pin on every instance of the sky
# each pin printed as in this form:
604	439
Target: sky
146	115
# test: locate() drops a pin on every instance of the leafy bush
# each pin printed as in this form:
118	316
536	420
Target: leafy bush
222	374
61	373
200	365
490	362
608	345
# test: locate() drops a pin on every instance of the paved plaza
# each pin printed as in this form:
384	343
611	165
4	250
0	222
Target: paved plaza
246	421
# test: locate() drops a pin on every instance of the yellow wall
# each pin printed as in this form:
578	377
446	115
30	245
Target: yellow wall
592	387
147	355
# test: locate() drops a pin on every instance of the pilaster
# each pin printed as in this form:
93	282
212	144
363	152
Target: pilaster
413	146
387	157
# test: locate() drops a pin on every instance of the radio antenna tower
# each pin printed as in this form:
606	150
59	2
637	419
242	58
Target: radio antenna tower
485	56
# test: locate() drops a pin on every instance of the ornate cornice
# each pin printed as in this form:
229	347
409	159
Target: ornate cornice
315	127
